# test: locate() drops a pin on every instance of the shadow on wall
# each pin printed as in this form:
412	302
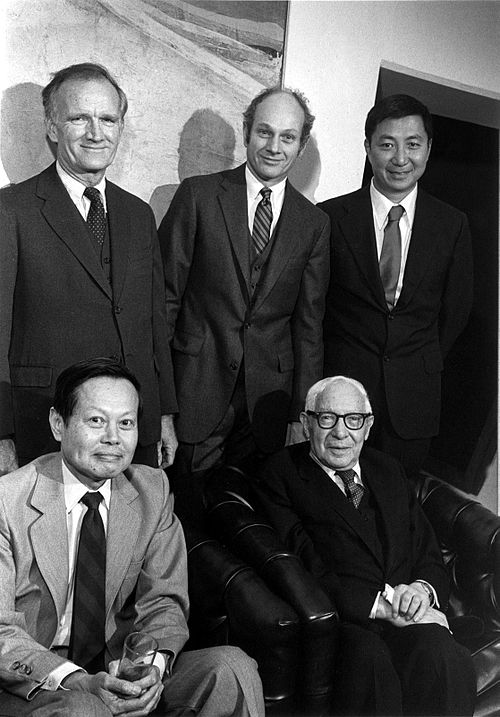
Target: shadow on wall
206	145
307	170
25	149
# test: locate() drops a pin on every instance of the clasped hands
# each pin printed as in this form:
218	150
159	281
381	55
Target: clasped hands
121	697
409	605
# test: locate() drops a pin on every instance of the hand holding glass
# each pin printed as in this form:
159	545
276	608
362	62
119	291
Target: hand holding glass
139	651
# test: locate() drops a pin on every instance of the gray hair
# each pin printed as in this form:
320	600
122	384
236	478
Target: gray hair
317	389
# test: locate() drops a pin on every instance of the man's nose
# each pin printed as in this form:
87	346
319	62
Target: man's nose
339	430
94	130
112	434
400	156
273	144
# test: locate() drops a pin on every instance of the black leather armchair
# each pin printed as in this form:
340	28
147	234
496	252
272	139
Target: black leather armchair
247	589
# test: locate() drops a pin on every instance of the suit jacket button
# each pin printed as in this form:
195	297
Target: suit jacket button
233	365
247	325
117	309
386	358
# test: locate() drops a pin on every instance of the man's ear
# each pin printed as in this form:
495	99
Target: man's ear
56	424
304	419
368	424
367	146
50	128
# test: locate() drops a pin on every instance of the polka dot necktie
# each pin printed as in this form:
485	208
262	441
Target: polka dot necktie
262	221
96	218
354	490
390	256
87	639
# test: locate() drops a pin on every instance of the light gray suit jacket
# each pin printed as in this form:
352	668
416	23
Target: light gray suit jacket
146	586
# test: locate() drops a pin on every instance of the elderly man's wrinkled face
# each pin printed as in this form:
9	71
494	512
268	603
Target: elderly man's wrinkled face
338	447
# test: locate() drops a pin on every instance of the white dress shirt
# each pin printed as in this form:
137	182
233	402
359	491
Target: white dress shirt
381	207
76	189
254	196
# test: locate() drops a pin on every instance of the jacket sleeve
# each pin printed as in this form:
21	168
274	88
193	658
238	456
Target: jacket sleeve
177	234
307	319
8	270
458	291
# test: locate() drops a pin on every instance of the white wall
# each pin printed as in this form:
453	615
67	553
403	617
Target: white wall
334	53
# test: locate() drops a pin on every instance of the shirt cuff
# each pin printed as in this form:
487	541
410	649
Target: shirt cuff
388	594
54	678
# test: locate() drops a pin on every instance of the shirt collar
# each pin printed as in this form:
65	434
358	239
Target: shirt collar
74	490
77	188
381	205
332	472
254	186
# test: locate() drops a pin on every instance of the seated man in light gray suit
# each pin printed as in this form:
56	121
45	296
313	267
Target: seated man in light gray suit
63	620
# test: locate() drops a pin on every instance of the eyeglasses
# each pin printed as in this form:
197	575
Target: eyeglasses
352	421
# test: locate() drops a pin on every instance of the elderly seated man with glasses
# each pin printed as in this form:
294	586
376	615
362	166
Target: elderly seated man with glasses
352	516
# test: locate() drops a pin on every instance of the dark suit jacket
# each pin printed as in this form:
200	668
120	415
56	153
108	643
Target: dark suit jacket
399	352
214	323
58	308
315	519
146	573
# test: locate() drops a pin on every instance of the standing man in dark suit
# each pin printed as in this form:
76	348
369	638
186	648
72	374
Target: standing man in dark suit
80	274
90	551
401	283
353	518
246	268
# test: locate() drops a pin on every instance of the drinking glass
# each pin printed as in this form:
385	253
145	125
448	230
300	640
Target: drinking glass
139	651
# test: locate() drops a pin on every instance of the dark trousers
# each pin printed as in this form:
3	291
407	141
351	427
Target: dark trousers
415	670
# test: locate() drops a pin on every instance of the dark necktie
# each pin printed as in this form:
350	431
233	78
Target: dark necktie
262	221
87	628
96	218
390	257
354	490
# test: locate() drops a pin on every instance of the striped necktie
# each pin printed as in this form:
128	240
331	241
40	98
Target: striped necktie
87	639
262	221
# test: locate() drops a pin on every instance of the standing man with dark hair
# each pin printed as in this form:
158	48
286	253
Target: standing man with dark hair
246	268
401	284
90	551
80	274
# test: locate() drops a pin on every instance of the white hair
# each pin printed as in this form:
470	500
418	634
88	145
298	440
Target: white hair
320	386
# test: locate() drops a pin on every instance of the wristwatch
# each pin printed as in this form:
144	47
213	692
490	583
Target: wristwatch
428	590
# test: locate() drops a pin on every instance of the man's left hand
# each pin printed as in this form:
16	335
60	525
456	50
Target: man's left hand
410	601
151	686
295	433
168	444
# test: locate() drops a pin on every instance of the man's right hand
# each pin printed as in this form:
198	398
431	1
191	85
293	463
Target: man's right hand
384	612
8	456
135	699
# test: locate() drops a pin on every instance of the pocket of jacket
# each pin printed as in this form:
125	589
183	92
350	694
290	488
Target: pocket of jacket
40	376
433	362
187	343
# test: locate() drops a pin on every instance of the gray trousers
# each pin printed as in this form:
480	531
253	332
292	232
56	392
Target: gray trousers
214	682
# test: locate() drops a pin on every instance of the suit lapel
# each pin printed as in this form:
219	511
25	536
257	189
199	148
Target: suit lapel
424	238
66	221
233	202
328	494
383	496
49	533
286	239
119	235
123	530
359	233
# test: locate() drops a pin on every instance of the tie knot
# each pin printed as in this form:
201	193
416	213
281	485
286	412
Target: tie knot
395	213
266	194
93	194
347	477
92	500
